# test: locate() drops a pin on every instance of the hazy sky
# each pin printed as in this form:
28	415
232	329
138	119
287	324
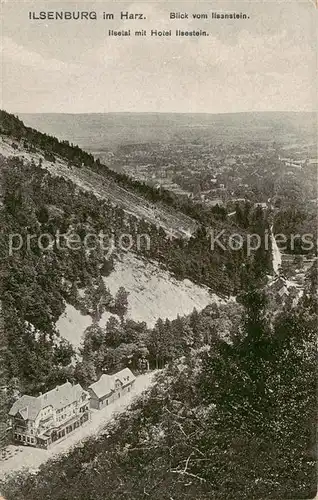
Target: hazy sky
265	63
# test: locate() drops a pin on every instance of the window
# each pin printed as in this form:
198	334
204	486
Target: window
32	440
23	438
28	439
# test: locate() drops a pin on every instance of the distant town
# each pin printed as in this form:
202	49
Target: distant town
214	175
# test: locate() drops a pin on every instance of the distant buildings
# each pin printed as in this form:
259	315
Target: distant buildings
261	205
298	163
110	387
313	161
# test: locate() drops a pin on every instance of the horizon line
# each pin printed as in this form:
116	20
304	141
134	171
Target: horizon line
155	112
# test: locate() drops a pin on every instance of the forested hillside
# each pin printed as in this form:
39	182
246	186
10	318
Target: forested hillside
52	148
232	413
37	281
229	420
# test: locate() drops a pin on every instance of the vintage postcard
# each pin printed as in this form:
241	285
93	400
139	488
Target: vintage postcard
158	250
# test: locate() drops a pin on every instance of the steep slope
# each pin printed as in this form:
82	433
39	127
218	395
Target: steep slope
51	187
153	294
221	422
226	270
72	324
175	223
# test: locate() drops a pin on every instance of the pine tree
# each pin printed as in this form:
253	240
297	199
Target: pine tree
121	302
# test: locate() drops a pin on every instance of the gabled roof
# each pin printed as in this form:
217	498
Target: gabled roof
104	386
61	396
29	406
125	376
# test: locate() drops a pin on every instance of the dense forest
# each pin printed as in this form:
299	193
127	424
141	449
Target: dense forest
36	283
232	413
51	148
227	420
129	343
294	222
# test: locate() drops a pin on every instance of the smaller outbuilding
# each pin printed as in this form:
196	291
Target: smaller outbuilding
110	387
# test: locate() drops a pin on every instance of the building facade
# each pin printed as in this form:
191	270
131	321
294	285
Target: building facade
43	420
109	388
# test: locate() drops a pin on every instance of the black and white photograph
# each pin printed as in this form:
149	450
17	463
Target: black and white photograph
158	249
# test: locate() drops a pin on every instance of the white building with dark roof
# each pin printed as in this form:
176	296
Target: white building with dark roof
42	420
110	387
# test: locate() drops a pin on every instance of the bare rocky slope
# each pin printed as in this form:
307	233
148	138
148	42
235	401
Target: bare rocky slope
153	292
170	220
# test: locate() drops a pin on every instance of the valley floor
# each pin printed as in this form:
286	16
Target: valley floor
16	458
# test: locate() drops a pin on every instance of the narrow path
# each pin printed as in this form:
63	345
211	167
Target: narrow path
26	457
277	257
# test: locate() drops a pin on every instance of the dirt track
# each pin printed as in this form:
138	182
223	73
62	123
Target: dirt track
26	457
